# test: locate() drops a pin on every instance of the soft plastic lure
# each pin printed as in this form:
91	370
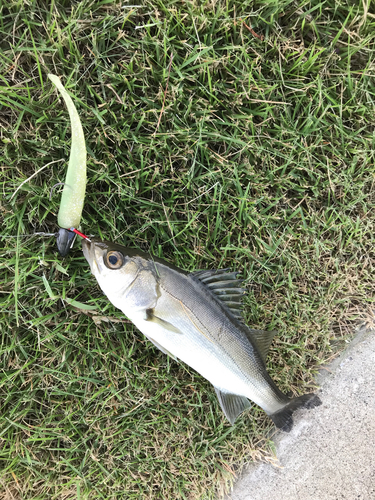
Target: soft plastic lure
73	196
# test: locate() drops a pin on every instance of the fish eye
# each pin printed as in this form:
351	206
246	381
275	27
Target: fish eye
114	259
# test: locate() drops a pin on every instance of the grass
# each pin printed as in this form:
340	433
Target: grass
251	153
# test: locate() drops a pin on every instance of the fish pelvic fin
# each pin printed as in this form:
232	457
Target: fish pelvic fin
283	418
232	404
161	348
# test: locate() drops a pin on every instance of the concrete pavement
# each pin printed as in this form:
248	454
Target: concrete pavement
330	452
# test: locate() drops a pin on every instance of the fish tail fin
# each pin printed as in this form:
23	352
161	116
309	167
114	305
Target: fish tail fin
283	418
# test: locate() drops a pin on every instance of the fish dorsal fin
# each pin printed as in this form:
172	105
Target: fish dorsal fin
261	338
232	404
225	286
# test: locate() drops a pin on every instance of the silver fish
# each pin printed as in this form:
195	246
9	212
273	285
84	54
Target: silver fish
195	317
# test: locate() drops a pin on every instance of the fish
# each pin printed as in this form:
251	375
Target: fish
196	317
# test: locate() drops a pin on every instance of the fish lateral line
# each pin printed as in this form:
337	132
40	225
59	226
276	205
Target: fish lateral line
195	326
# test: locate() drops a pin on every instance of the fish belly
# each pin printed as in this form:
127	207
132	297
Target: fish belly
199	353
203	354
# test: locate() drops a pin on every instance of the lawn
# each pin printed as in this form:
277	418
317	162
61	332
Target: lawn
219	134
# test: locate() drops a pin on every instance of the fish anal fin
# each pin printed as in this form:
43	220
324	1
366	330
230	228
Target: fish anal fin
150	316
232	404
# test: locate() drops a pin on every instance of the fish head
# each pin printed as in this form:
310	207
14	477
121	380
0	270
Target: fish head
113	266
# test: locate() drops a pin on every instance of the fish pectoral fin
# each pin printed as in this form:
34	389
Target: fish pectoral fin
232	404
161	348
150	316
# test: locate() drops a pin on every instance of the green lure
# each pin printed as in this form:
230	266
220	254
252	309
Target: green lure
73	194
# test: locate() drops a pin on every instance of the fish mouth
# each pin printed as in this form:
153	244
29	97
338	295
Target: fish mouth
88	248
93	250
